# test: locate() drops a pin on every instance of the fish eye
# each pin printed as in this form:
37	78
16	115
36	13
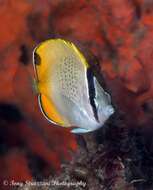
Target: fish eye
37	59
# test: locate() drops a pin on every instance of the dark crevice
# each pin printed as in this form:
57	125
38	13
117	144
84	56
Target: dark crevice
112	51
37	165
137	8
10	113
24	58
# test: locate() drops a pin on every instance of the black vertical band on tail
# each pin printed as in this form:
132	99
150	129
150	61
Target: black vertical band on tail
92	93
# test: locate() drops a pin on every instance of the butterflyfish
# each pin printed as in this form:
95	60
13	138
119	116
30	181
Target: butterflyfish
69	93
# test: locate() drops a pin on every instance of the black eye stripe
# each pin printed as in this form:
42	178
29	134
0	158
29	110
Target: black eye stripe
37	59
92	93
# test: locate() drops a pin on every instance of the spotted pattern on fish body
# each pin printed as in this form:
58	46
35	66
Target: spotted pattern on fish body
68	74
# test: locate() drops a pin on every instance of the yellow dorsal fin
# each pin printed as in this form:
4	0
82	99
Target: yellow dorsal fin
77	51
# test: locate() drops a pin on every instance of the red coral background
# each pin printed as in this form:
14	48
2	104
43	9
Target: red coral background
118	32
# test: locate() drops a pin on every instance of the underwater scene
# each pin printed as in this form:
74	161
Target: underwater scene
76	95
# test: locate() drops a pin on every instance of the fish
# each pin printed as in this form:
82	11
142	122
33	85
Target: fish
69	94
